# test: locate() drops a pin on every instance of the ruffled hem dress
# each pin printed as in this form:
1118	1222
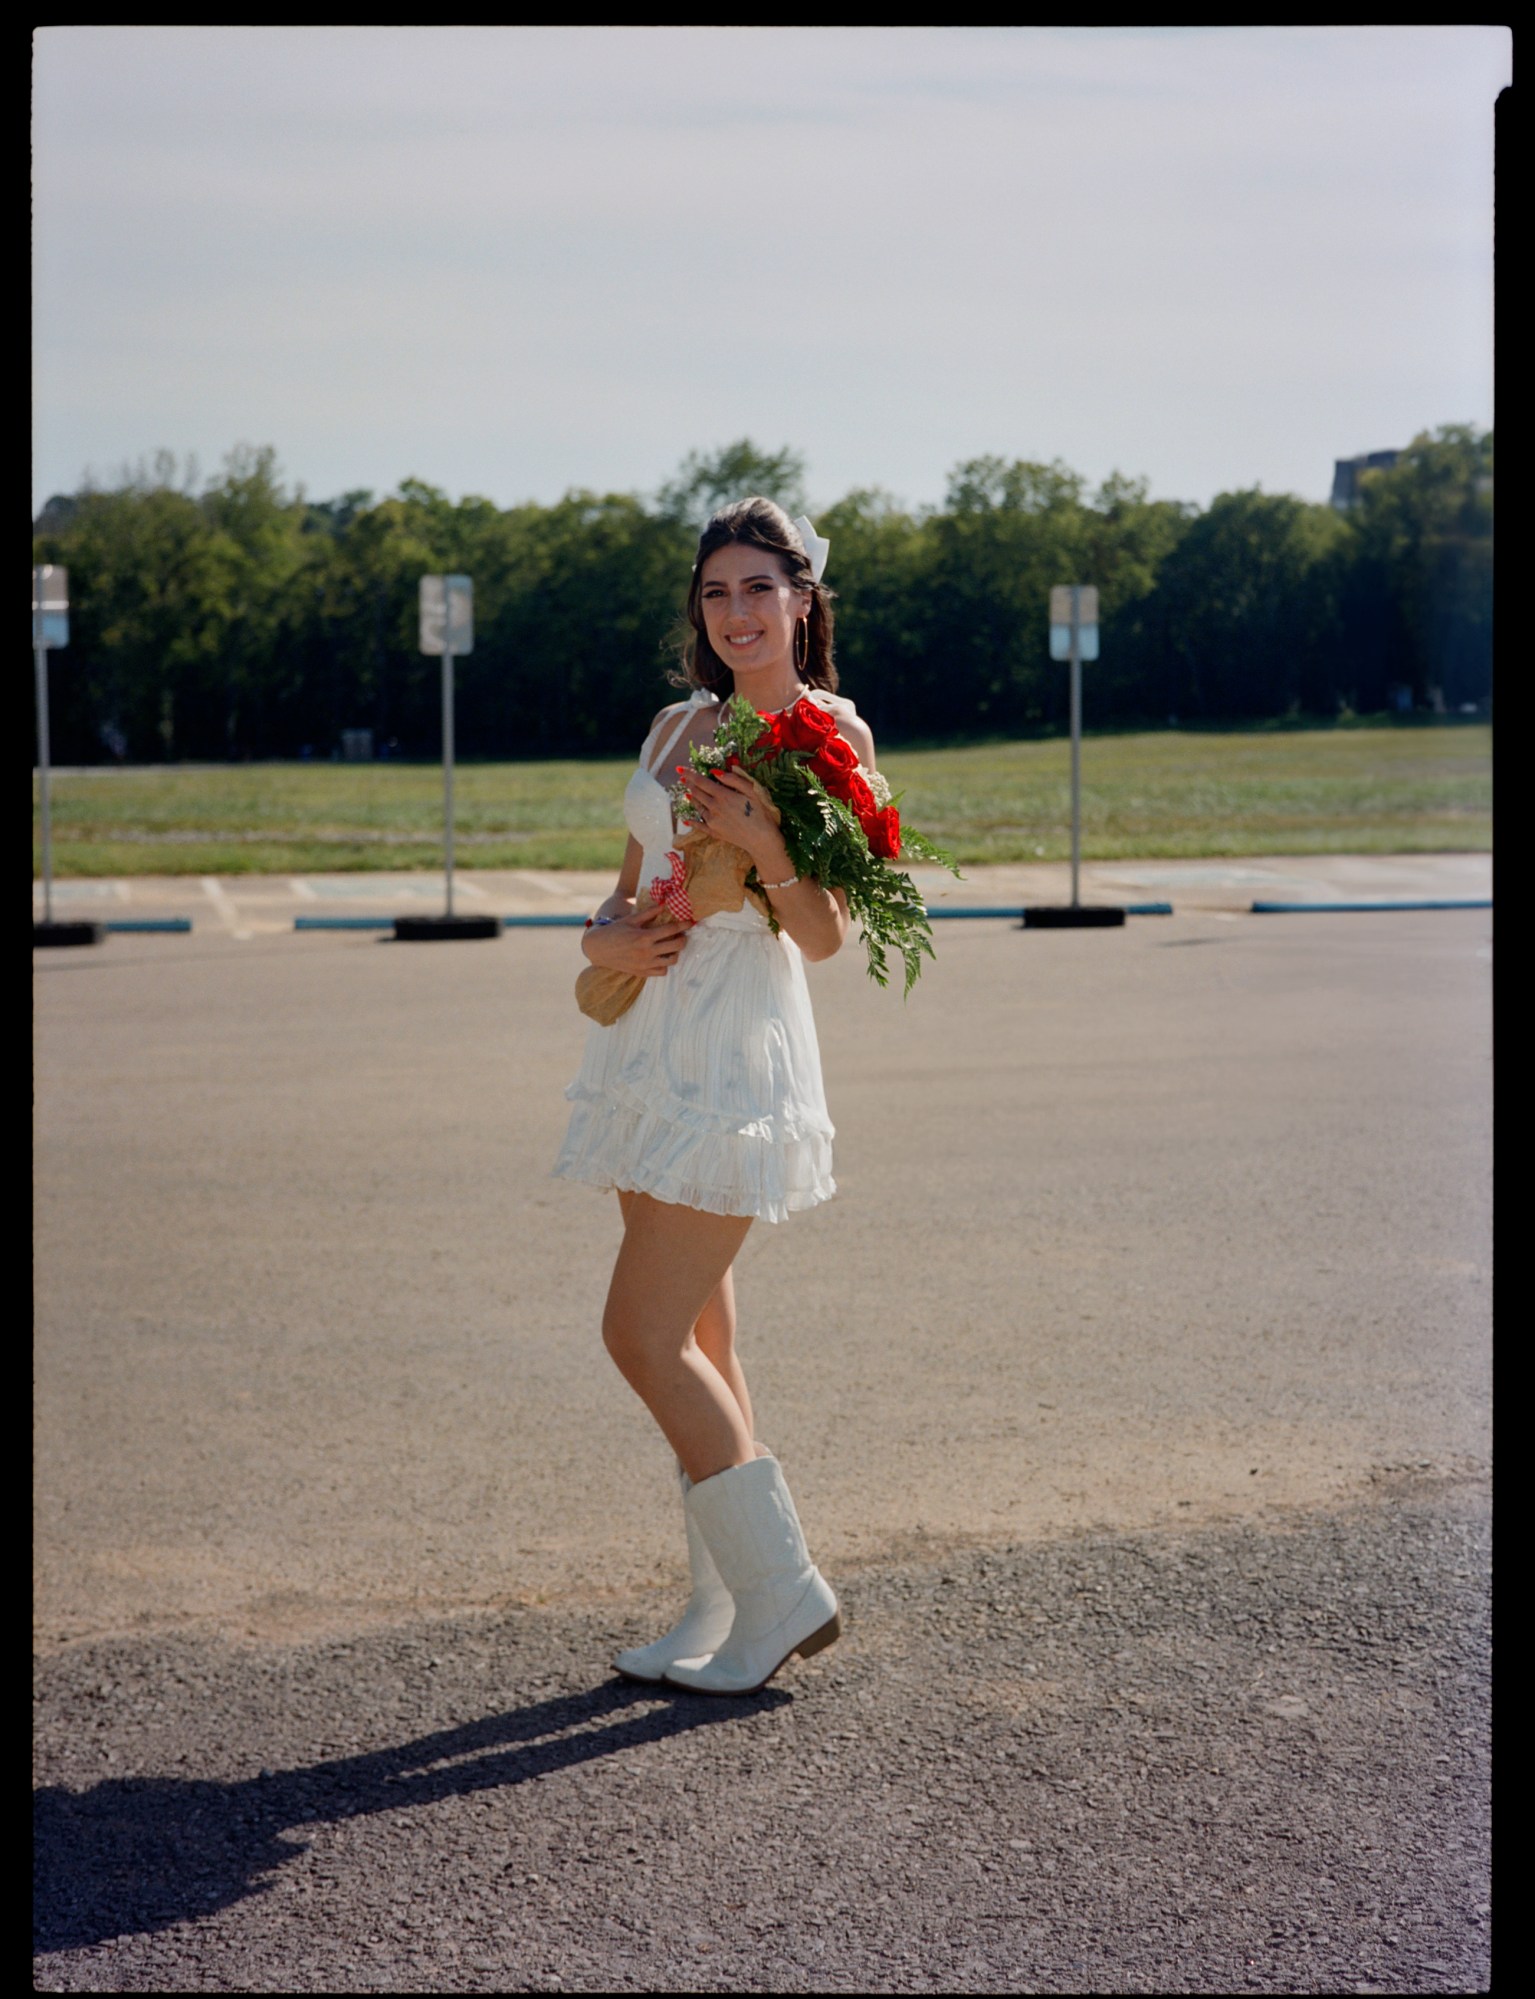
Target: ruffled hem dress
707	1092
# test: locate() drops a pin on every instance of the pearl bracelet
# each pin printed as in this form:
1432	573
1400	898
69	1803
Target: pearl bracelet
792	882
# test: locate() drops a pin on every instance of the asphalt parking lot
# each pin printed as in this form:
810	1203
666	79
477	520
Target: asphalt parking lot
1135	1390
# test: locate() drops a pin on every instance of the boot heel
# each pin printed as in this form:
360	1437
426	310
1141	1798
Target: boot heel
818	1641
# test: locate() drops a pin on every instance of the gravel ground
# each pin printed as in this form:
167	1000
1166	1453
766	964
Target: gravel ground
1251	1756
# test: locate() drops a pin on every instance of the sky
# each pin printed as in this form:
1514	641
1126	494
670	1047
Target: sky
513	262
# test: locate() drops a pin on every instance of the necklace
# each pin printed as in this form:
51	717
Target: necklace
803	691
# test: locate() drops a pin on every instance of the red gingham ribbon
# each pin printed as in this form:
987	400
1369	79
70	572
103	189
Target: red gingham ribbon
669	889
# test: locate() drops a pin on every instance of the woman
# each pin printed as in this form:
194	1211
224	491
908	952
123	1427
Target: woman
703	1107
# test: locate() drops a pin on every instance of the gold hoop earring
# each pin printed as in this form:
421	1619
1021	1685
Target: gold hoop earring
802	645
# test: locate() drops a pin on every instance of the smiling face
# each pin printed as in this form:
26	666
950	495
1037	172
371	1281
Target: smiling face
750	608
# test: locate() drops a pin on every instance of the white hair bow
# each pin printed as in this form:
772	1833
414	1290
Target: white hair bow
815	547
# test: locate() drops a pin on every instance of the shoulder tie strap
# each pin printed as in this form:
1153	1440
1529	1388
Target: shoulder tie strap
700	697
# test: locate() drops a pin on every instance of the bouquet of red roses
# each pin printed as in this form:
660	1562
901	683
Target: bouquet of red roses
838	820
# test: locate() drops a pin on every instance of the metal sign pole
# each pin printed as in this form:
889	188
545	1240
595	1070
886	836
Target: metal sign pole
1076	744
1074	637
50	627
42	769
447	629
447	771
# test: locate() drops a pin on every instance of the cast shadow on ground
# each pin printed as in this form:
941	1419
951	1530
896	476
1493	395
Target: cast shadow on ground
137	1854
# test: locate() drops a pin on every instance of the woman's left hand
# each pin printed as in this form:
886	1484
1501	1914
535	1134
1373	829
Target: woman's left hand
731	806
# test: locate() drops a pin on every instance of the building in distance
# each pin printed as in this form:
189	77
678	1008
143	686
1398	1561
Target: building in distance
1347	472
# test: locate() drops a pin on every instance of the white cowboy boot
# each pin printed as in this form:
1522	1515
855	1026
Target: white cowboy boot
783	1604
704	1624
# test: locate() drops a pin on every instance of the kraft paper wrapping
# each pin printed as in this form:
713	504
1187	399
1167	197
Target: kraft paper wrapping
715	880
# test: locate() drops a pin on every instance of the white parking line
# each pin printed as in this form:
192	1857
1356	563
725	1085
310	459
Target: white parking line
81	891
549	884
302	890
224	909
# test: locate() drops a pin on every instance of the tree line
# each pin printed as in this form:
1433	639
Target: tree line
232	619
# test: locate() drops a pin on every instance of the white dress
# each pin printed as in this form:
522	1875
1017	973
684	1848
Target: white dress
707	1092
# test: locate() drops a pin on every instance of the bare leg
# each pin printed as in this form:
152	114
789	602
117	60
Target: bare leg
671	1264
715	1332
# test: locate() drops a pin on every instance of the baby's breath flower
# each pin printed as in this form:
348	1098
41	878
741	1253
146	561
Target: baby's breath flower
879	784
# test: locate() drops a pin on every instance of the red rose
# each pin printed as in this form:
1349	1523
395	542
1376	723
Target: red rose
804	726
835	764
862	800
884	832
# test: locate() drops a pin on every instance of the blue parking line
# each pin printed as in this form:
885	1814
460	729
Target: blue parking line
1351	908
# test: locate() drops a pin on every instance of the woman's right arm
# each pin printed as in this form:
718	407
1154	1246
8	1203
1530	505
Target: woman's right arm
626	938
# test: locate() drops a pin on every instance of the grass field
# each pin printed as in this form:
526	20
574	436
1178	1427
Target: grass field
1302	791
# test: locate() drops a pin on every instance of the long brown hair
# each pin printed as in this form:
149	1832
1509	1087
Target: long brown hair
762	524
